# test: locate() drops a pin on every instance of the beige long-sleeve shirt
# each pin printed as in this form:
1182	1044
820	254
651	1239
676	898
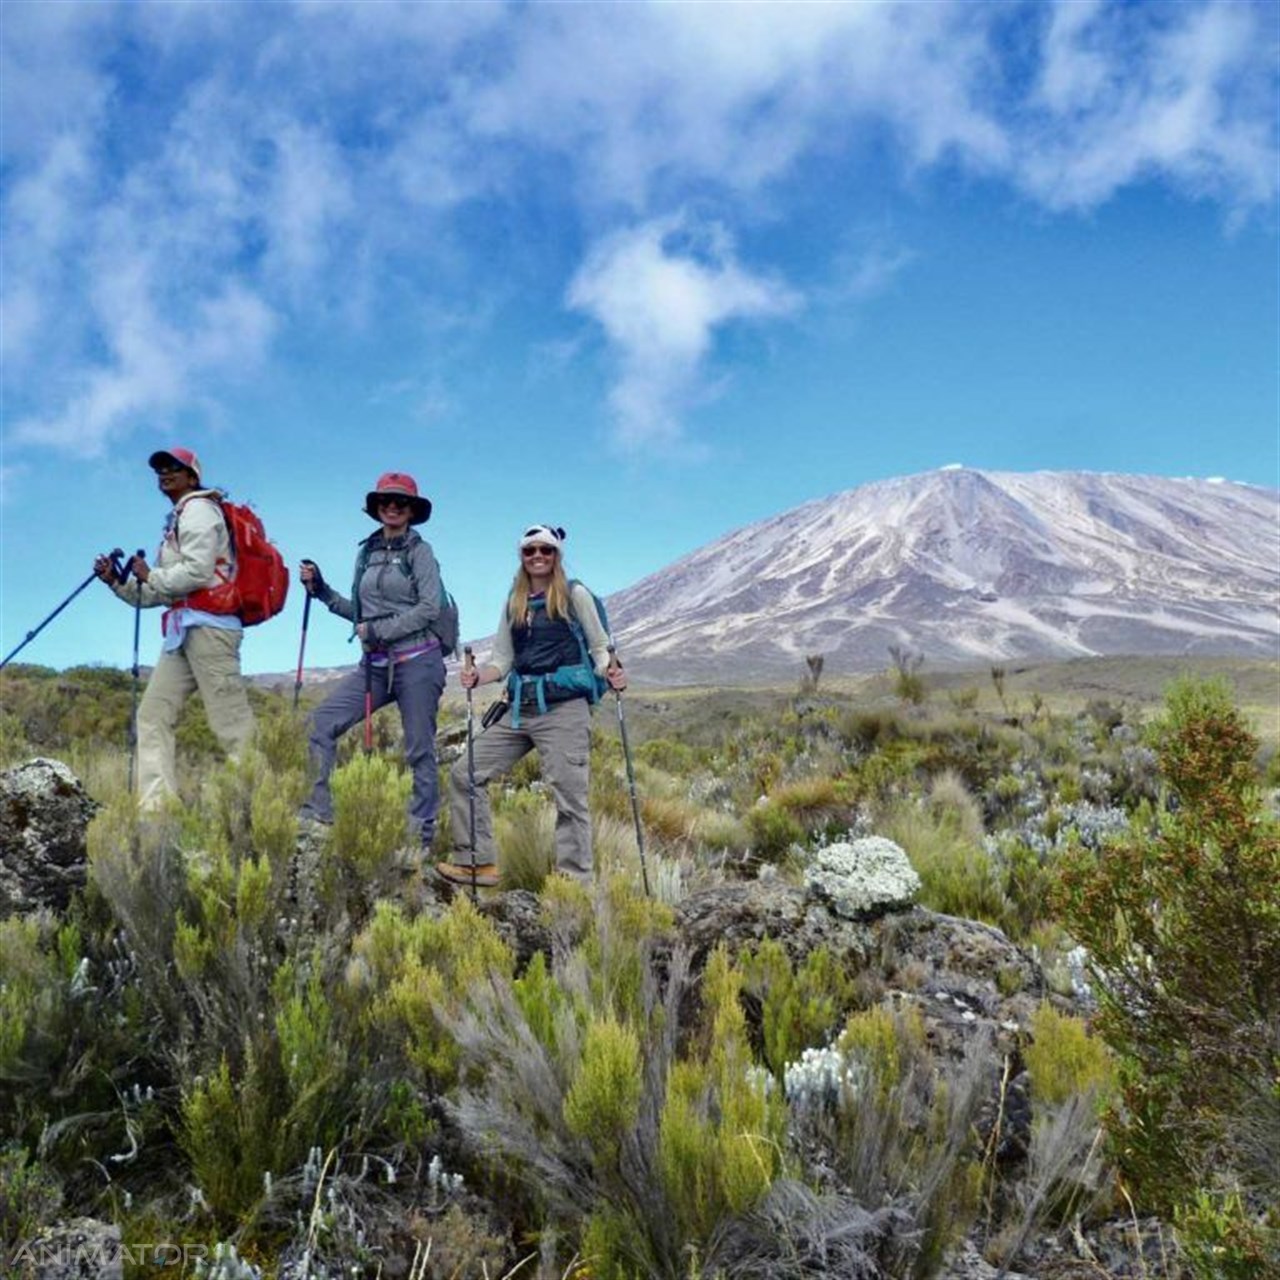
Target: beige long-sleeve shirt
188	562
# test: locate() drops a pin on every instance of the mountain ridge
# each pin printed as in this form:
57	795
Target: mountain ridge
967	565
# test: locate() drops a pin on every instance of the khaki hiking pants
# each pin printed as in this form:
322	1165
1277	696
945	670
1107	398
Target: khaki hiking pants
562	736
209	661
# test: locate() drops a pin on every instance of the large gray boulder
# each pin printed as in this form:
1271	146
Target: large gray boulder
44	814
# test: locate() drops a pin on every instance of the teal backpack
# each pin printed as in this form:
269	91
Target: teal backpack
445	626
580	677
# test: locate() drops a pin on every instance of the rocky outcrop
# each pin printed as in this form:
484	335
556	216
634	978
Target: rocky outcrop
44	814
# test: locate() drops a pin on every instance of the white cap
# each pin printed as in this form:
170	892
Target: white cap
542	535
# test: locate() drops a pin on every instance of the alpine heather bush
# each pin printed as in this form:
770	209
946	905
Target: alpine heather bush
721	1127
405	971
799	1007
370	796
773	831
232	1133
1065	1061
617	945
1183	929
603	1101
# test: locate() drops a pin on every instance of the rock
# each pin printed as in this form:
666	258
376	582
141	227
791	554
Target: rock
968	1264
862	879
518	920
743	915
44	814
81	1249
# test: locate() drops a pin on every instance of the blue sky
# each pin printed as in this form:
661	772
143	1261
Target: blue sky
651	272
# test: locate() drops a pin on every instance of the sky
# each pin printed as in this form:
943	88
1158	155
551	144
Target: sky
650	272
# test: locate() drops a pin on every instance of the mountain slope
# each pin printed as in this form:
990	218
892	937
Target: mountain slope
967	566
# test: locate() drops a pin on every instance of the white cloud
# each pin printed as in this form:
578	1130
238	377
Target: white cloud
1186	93
661	291
184	182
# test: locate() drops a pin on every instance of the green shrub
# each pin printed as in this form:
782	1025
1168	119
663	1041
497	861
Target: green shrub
404	973
604	1099
1221	1240
773	831
232	1134
30	1197
1183	930
1064	1060
370	796
957	875
799	1008
720	1131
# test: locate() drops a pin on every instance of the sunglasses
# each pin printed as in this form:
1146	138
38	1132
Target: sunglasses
394	502
530	552
169	469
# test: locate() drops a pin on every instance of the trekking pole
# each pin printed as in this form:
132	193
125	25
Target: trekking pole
302	648
368	705
137	629
469	664
35	631
631	776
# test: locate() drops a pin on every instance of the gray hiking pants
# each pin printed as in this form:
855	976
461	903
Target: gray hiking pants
416	688
562	737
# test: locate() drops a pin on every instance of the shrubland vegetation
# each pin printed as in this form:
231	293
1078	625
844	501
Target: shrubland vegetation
245	1035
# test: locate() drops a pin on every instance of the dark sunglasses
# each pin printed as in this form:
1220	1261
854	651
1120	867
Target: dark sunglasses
392	501
529	552
169	468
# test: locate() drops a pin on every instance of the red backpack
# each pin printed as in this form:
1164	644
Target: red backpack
255	583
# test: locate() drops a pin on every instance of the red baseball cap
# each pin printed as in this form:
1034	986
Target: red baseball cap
183	457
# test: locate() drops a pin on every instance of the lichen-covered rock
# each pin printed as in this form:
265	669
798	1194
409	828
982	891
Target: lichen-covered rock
861	879
744	914
82	1249
518	919
44	814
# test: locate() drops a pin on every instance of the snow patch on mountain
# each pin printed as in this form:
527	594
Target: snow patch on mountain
968	566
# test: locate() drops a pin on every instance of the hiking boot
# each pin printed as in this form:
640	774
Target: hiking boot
486	873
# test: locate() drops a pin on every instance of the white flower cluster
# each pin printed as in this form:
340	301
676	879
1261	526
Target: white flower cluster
226	1264
443	1184
821	1079
1092	824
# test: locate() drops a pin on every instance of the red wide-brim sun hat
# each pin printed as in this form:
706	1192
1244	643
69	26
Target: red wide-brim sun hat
402	485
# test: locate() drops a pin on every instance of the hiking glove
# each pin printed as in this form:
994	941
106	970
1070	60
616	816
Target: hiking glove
317	586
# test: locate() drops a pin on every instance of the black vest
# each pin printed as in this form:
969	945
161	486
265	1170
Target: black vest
544	645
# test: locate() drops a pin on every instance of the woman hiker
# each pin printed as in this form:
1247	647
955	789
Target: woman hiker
549	649
396	609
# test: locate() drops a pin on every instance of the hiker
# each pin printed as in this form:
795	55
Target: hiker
549	625
397	609
201	636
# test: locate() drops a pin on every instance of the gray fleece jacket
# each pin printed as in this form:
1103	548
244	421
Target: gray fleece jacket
397	595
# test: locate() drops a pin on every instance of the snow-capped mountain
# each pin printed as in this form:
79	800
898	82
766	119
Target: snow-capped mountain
967	567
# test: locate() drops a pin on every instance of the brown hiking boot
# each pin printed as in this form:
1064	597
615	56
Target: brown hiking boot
486	875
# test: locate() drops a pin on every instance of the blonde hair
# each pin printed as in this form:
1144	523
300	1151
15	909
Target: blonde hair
522	588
